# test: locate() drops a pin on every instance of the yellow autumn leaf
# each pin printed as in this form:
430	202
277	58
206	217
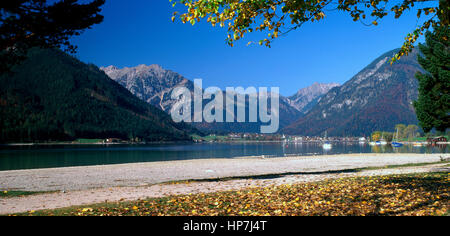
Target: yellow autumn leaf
87	210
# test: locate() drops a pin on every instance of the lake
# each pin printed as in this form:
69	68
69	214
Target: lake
33	157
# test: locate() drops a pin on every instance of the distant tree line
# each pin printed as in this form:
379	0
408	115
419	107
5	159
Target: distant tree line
402	132
405	132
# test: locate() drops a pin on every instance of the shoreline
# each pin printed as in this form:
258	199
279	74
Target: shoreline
84	144
149	173
193	142
58	200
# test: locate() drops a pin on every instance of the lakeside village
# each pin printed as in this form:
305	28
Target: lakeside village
236	137
404	135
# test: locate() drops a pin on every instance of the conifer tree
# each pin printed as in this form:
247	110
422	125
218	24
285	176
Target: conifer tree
433	105
25	24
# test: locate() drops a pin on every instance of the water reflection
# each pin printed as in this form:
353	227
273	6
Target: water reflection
14	158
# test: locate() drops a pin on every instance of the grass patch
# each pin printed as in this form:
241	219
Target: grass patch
8	194
89	141
210	138
413	194
420	139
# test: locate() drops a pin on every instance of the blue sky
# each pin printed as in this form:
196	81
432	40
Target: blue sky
141	32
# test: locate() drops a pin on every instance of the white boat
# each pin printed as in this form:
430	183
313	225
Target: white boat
362	141
327	146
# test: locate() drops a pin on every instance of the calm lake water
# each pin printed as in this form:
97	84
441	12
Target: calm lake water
32	157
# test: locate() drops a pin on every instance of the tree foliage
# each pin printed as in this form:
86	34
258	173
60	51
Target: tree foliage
406	132
411	131
433	105
400	131
40	23
376	136
279	17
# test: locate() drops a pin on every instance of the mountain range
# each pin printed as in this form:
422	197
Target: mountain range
154	85
377	98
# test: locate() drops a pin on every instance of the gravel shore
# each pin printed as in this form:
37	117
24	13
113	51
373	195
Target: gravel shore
143	174
96	184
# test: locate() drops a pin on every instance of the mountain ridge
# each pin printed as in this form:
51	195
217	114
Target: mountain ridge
305	96
377	98
154	85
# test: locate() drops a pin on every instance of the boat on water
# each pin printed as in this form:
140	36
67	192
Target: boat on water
396	144
327	146
378	143
362	141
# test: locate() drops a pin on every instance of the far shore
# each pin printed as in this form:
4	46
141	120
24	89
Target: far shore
188	142
96	143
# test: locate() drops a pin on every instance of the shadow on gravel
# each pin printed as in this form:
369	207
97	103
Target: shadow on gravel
345	171
273	176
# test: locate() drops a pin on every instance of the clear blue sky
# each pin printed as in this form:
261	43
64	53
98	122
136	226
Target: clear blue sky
141	32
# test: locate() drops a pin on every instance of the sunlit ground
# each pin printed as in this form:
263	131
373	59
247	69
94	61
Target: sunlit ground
417	195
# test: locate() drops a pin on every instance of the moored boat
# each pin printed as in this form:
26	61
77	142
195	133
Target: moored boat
396	144
327	146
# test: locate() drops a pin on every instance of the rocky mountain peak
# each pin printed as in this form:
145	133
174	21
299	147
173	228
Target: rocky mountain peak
151	83
109	68
304	97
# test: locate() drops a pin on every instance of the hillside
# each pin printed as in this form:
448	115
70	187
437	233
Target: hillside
53	96
377	98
